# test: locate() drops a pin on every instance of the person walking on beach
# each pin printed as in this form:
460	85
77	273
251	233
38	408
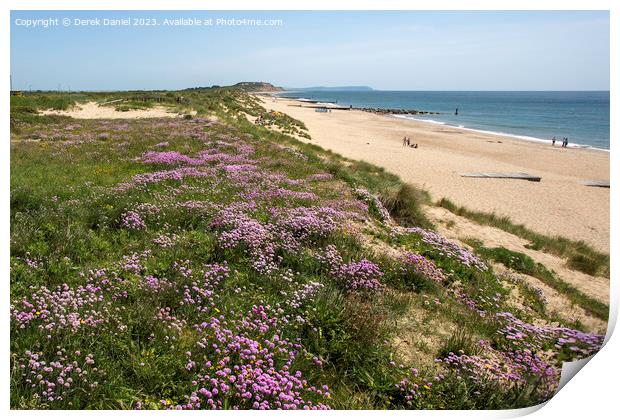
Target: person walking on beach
404	141
565	141
553	141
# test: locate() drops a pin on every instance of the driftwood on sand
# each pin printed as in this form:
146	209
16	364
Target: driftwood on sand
595	183
507	175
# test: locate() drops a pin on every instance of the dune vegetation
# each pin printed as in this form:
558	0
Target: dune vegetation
204	262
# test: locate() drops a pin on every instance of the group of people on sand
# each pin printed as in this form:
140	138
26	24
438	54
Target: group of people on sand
564	141
407	142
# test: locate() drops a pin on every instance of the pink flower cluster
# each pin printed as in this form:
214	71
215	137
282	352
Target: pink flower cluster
374	203
168	158
63	308
178	174
132	220
289	230
319	177
307	223
245	364
53	381
520	368
200	294
363	275
303	295
445	246
536	338
413	387
423	266
166	241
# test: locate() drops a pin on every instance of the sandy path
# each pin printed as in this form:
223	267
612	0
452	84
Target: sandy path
593	286
91	110
560	304
558	205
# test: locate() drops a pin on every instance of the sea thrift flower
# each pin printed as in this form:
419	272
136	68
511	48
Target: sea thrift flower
132	220
363	275
319	177
413	387
419	264
571	343
165	241
374	202
444	246
169	158
248	372
507	369
306	293
58	379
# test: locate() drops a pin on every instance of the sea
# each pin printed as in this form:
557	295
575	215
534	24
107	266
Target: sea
582	116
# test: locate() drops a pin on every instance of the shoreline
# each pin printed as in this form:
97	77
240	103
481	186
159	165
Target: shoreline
558	205
530	139
414	115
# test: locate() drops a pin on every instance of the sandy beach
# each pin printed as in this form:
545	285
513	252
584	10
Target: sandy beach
558	205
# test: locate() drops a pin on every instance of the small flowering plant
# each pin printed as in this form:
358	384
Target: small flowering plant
247	364
375	205
520	371
54	381
414	389
440	247
132	220
361	276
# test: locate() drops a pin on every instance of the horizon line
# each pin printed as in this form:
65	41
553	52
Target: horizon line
307	88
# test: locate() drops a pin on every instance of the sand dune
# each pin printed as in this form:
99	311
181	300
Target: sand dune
558	205
91	110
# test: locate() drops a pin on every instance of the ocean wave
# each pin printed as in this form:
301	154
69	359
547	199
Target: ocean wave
428	120
497	133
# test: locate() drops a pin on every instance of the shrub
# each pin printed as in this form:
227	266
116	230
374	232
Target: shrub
405	205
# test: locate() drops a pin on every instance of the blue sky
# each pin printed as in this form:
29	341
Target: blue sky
385	50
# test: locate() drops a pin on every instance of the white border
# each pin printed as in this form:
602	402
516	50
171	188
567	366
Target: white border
590	395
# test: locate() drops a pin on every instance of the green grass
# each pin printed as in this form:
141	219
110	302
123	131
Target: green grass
132	105
405	205
460	342
579	255
30	103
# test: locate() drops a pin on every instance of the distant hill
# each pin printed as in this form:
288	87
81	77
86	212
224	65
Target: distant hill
245	86
335	88
268	87
257	87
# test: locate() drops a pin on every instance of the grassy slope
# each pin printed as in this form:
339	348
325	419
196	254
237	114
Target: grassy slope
579	255
522	263
127	281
